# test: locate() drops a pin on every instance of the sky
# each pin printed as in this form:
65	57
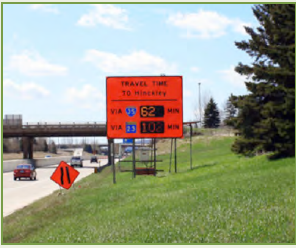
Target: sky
56	57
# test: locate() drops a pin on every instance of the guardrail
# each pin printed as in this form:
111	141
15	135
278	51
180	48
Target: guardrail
45	129
55	125
10	165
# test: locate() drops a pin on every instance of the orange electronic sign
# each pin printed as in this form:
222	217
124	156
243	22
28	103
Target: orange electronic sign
144	107
64	175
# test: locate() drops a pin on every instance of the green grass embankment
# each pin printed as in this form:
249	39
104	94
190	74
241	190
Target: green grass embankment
223	199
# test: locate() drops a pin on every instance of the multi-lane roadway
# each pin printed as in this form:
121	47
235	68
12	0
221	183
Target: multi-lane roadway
18	194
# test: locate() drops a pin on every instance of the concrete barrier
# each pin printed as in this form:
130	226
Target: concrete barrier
10	165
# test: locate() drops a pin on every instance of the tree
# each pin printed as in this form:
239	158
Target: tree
199	112
266	116
45	146
211	115
14	145
5	145
52	147
87	148
230	112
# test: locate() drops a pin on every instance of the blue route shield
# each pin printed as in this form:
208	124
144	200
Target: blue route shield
131	127
131	111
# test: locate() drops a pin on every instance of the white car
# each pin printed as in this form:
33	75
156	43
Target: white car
76	161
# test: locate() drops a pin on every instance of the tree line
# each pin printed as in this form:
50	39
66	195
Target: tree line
15	145
39	144
213	117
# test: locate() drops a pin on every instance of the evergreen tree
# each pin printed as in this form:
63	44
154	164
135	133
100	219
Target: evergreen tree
230	112
87	148
53	148
45	146
211	115
266	116
5	145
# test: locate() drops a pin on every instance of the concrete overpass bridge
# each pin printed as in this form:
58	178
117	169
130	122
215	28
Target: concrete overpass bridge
43	129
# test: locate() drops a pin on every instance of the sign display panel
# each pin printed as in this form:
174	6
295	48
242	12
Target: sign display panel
144	107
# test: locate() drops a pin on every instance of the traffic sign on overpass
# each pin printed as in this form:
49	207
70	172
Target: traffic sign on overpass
127	141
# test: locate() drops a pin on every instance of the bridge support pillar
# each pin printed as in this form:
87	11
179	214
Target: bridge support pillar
28	147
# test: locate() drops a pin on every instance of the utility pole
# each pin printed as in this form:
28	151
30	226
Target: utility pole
94	149
199	105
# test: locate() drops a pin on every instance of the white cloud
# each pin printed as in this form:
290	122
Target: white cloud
32	64
161	11
25	91
44	7
88	97
204	24
231	76
187	93
195	69
137	62
238	26
107	15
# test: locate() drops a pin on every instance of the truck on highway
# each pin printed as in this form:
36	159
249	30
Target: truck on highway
77	160
78	152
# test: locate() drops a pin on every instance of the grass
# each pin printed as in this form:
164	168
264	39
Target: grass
223	199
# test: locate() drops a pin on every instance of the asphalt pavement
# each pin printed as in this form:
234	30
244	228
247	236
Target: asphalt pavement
18	194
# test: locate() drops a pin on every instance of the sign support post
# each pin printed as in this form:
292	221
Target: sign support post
171	155
190	146
109	152
60	193
112	160
154	150
119	157
175	155
134	159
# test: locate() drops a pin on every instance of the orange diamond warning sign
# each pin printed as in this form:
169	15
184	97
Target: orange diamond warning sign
64	175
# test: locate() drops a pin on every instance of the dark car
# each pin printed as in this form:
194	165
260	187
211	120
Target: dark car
76	161
94	159
25	171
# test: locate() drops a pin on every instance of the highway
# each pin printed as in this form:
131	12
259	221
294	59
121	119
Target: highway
18	194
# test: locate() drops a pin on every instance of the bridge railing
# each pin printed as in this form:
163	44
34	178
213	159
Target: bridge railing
47	125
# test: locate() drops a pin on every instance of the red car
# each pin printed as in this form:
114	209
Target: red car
25	170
